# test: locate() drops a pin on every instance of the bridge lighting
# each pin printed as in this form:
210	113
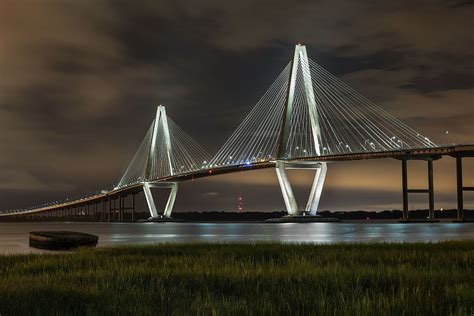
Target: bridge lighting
191	164
339	146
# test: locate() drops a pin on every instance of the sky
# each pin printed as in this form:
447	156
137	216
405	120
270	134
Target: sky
80	82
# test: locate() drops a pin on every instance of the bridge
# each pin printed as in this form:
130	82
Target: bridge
306	119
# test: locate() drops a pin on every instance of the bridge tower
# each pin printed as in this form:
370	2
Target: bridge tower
160	132
166	152
300	72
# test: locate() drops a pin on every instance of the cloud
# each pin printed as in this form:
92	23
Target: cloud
430	113
24	181
80	80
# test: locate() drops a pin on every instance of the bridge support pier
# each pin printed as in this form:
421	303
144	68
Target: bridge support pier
121	208
150	201
103	209
406	191
287	191
460	188
133	207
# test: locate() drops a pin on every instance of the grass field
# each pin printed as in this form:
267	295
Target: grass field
230	279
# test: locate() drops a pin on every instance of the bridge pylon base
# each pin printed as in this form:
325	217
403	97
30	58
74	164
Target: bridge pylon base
287	191
151	202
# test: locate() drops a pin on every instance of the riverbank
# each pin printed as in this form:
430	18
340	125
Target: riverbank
262	278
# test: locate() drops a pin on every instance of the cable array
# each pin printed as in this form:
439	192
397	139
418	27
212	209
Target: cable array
256	138
136	169
187	154
326	117
350	122
170	151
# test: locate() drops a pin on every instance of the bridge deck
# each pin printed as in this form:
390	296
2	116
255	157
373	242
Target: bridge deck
422	153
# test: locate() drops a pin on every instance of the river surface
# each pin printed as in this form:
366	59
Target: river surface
14	236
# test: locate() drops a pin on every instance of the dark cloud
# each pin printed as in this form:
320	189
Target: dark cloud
80	81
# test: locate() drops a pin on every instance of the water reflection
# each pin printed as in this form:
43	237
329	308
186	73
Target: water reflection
14	236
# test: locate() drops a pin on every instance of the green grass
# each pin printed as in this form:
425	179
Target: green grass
241	279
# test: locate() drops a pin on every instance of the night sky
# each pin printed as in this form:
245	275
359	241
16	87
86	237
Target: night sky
80	82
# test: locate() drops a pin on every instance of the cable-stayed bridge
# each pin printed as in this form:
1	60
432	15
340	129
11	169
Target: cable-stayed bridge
307	118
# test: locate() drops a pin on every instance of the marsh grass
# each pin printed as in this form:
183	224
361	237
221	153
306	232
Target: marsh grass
231	279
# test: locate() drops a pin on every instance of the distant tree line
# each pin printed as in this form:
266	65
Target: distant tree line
222	216
343	215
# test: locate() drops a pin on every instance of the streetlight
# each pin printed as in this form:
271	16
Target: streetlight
371	144
341	147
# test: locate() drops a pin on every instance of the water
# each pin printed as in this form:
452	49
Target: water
14	236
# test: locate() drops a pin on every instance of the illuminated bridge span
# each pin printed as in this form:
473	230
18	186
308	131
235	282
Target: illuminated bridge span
307	118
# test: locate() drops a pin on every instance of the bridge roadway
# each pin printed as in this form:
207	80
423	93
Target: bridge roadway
429	154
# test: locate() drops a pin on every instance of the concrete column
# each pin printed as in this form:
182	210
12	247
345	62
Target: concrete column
431	189
316	190
286	190
171	199
121	207
405	189
133	207
149	200
109	209
459	188
102	210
